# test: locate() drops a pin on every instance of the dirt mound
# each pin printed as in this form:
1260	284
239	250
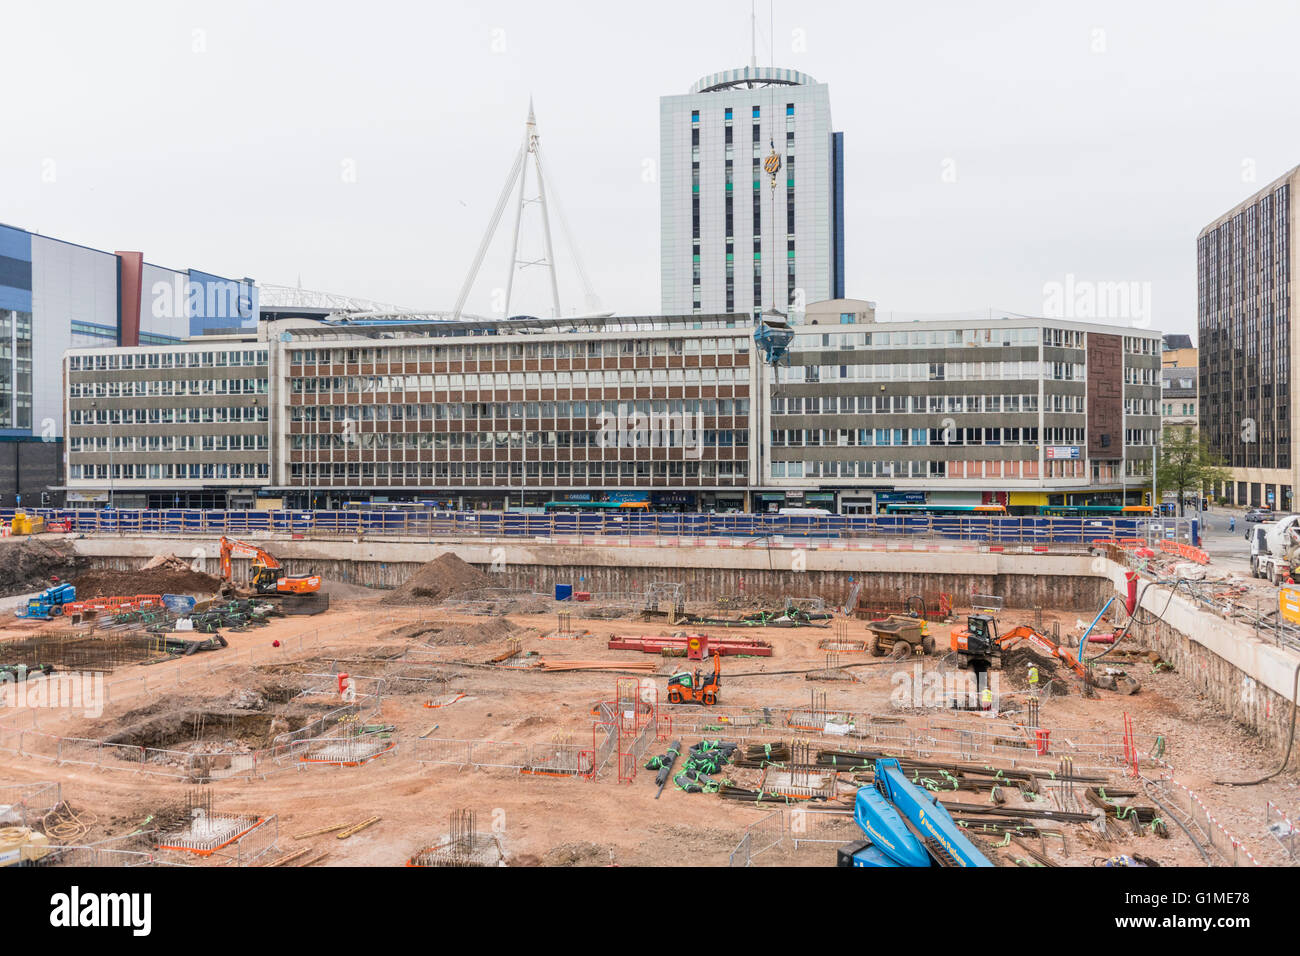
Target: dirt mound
437	580
345	590
1016	663
579	854
163	579
27	565
479	632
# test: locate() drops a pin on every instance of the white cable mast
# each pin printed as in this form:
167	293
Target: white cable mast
530	147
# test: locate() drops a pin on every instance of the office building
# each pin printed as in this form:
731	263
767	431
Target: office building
736	237
1247	299
658	412
57	295
1026	413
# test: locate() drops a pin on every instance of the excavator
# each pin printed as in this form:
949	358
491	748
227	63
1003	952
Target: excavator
268	577
684	688
979	646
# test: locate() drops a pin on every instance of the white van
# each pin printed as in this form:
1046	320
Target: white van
808	512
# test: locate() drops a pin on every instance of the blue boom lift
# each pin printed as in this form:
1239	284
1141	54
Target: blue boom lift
906	826
49	603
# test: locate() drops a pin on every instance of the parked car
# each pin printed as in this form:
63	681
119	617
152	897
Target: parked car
1259	514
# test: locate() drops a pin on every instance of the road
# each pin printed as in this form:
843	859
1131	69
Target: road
1227	549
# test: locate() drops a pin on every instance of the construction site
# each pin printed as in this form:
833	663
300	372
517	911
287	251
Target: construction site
304	701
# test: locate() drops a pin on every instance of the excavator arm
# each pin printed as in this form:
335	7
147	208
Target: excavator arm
1043	644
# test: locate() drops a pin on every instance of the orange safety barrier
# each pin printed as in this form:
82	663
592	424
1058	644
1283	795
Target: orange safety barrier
1185	551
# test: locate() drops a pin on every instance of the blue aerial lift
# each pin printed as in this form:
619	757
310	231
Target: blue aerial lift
905	825
49	603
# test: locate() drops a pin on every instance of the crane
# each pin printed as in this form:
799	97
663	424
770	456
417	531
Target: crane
268	575
906	825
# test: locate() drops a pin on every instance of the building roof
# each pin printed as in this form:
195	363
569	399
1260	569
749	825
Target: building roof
1179	381
751	76
1290	174
1173	341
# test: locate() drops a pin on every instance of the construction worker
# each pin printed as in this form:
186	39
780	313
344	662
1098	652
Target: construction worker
1033	678
986	698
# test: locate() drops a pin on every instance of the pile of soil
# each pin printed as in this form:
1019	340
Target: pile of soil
345	590
158	580
1015	666
479	632
438	580
27	564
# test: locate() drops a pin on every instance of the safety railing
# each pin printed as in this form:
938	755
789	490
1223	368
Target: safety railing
27	803
992	531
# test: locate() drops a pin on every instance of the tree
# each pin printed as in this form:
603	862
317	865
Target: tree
1187	464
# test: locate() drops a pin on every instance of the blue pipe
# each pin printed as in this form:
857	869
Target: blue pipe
1084	640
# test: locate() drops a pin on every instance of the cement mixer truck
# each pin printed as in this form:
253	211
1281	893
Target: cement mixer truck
1275	548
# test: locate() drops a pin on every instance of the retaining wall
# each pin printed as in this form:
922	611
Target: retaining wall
1023	580
1251	677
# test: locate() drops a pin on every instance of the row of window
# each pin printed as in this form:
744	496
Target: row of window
166	416
889	470
164	471
172	358
1174	408
936	372
169	443
883	437
594	348
932	338
519	411
1141	376
470	471
922	404
609	378
1140	436
629	438
155	388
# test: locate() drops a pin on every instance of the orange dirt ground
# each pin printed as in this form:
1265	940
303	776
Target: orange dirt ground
567	821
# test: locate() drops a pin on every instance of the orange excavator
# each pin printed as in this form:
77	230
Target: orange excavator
268	577
979	646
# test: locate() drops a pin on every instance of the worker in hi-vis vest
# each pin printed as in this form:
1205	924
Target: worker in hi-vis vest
986	697
1033	677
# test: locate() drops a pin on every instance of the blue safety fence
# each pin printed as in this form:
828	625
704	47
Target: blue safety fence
984	529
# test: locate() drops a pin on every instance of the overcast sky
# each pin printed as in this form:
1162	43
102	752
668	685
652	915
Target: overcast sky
991	148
